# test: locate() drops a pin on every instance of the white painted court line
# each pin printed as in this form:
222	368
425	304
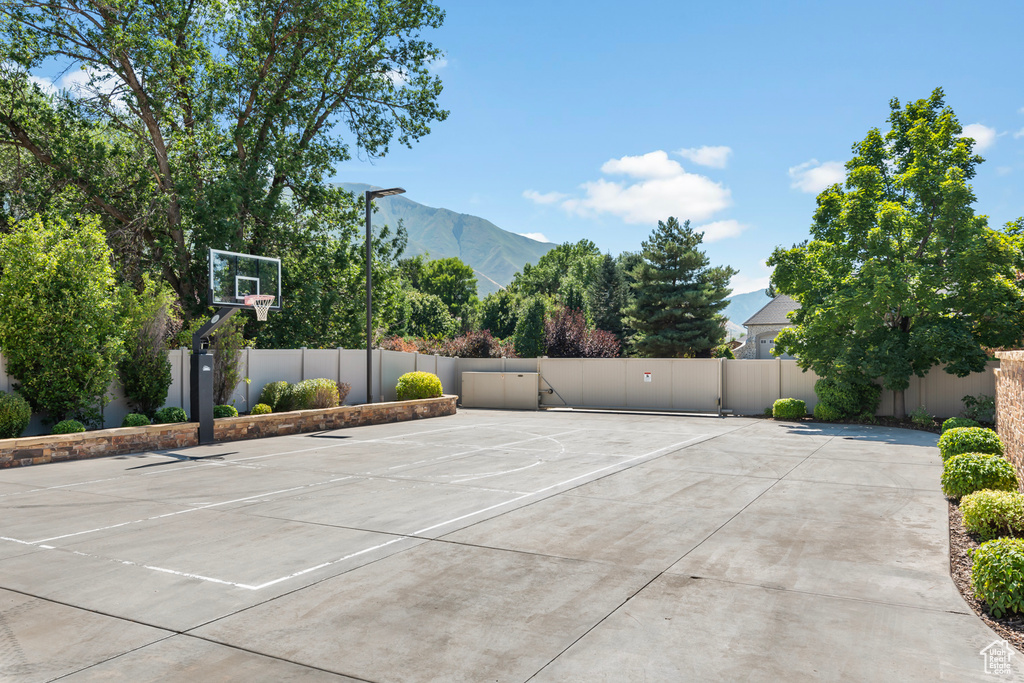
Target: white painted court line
619	465
416	534
192	509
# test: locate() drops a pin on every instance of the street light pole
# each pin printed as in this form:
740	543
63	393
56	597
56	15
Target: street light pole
370	196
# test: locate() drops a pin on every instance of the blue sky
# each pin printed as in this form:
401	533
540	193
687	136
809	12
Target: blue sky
596	119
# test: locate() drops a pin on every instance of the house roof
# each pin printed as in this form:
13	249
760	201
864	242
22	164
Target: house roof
774	312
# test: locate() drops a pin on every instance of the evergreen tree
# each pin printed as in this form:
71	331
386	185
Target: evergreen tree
679	298
608	296
528	338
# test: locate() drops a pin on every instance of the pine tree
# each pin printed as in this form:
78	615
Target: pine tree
608	296
528	338
679	298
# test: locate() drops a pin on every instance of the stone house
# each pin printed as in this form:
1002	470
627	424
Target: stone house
763	326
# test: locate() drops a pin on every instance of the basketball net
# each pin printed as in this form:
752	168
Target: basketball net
261	303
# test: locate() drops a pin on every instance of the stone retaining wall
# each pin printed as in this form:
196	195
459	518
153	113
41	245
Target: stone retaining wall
38	450
1010	406
280	424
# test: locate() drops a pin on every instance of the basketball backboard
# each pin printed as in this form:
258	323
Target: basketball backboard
235	276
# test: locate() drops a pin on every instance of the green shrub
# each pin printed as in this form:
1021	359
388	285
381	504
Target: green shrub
145	370
261	409
61	326
827	413
768	411
996	575
969	440
413	385
991	514
980	408
954	422
789	409
224	411
343	389
15	414
921	417
68	427
970	472
272	393
170	415
850	396
135	420
309	394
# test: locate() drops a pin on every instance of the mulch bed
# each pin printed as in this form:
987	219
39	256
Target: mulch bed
960	544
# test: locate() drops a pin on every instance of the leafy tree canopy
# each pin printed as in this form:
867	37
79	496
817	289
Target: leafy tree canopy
208	123
900	275
61	316
573	262
452	281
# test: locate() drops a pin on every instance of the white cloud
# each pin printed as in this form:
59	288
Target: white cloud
538	236
741	283
1019	134
662	189
546	198
45	84
1004	170
647	166
1021	110
813	176
719	230
715	157
984	137
437	64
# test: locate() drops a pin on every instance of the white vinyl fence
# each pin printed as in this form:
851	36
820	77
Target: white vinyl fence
262	366
742	387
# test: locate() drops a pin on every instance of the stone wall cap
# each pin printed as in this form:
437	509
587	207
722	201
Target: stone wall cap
1014	354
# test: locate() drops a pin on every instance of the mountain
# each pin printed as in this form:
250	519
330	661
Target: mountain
495	254
741	307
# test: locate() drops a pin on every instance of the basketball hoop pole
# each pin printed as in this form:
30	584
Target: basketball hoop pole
201	390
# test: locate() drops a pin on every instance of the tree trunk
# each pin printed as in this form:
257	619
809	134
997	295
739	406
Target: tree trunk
899	404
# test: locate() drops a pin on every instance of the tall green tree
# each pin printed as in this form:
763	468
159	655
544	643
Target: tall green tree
607	297
678	296
572	262
453	282
61	316
214	124
528	338
900	274
498	313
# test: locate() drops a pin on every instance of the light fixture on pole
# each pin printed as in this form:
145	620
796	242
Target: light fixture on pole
370	196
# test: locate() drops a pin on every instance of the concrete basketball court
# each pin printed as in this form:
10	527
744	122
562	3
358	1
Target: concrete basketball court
492	546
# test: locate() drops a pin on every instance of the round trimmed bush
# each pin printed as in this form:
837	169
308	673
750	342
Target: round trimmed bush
261	409
68	427
970	472
224	411
309	394
954	422
969	440
995	576
135	420
991	514
272	394
15	414
170	415
789	409
827	413
413	385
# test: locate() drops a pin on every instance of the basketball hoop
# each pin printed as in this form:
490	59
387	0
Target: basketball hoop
261	304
